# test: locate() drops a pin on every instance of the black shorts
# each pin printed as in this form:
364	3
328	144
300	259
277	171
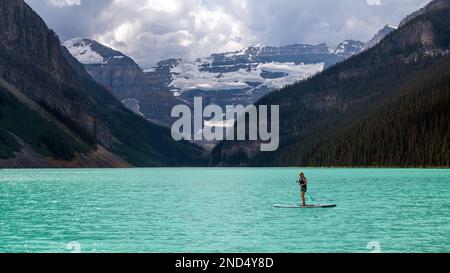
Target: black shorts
304	188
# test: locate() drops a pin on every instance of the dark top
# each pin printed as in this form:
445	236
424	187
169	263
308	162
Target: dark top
303	184
303	181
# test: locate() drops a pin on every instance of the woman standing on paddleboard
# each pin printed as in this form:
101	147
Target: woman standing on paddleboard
304	187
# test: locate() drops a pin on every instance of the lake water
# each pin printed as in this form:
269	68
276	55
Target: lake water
223	210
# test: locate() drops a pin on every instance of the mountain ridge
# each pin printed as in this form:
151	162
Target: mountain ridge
320	117
88	127
239	77
126	80
380	35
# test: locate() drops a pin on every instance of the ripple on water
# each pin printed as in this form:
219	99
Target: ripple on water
223	210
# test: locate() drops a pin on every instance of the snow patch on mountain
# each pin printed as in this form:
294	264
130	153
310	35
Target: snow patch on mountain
187	76
341	48
349	48
81	49
294	72
133	105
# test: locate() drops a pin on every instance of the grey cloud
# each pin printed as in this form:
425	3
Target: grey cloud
71	21
152	30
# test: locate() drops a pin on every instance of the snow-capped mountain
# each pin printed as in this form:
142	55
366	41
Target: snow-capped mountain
381	34
147	97
90	52
240	77
349	48
244	76
225	84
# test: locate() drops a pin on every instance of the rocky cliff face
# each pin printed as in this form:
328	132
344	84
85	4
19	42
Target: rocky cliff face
31	59
50	104
299	53
127	81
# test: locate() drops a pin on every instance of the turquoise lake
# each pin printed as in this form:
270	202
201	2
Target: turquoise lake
223	210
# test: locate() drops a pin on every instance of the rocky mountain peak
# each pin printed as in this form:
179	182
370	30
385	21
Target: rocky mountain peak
88	51
432	6
139	90
380	35
349	48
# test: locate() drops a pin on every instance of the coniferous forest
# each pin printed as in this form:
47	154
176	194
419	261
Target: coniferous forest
386	107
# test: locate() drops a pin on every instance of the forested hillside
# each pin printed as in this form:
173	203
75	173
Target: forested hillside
412	130
387	106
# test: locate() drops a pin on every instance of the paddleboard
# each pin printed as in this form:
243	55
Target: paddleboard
305	207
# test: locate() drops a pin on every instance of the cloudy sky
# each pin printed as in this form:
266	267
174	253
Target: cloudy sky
153	30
